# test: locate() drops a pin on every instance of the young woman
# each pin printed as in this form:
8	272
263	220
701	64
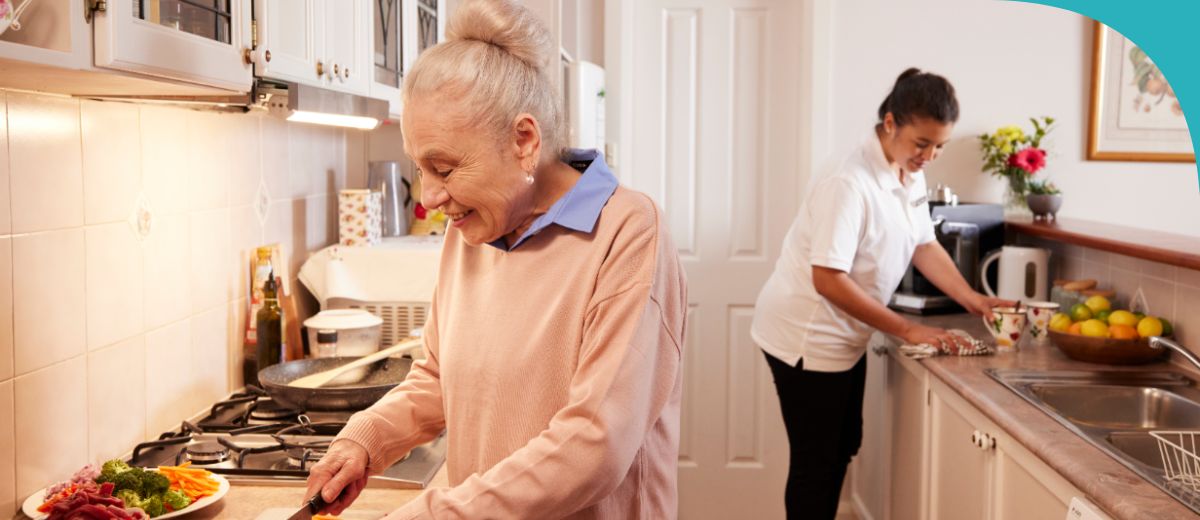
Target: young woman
841	261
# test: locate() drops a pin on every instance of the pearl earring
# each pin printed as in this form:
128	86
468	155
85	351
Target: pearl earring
528	178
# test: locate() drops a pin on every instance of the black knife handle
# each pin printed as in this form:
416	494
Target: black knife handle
317	503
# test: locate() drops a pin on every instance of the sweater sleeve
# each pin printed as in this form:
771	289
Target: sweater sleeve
626	373
409	415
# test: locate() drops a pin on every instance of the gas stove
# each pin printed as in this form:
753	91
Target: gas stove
248	438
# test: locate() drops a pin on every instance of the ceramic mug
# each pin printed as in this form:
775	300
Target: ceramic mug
1006	326
1038	314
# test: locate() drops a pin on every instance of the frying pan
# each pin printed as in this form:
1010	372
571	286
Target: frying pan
355	394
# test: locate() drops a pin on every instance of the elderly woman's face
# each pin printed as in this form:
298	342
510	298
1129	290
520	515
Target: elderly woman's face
466	172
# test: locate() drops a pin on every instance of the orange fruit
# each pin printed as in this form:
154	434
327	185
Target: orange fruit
1076	328
1122	332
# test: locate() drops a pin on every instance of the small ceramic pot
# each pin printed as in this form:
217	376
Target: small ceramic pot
1044	206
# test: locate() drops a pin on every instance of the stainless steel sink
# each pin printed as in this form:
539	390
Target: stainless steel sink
1116	411
1117	406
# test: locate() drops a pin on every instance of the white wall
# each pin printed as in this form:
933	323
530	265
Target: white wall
1008	61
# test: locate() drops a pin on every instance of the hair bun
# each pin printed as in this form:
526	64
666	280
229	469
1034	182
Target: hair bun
505	24
908	73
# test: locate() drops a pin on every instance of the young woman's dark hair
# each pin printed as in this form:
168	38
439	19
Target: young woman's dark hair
920	94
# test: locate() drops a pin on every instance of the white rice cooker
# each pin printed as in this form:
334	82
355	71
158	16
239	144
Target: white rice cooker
358	332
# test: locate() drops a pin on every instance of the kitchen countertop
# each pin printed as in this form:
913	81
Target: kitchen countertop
1116	489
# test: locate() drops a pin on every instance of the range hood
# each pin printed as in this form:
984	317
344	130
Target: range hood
308	104
291	101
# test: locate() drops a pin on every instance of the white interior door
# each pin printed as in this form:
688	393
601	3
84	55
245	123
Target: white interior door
715	119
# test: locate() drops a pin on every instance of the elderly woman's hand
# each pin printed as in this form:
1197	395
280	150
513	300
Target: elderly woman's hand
341	474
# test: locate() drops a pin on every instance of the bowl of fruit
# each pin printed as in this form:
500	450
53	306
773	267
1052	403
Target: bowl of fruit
1095	332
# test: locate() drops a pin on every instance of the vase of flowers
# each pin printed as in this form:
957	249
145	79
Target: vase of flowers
1015	157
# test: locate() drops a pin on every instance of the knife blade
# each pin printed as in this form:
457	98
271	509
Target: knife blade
312	507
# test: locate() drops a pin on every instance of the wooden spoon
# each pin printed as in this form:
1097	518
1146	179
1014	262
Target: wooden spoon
319	379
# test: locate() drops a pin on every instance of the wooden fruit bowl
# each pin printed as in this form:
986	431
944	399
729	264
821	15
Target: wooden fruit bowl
1107	351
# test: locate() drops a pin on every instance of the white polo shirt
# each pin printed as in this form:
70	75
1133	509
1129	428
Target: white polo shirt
860	220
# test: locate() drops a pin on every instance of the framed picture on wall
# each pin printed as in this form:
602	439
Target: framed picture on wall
1135	115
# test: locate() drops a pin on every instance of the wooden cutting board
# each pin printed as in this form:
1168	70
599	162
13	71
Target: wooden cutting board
283	513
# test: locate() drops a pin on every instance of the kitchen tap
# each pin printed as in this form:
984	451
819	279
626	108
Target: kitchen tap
1158	342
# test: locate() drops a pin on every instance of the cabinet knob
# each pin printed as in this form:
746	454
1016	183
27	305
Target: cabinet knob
247	56
975	438
346	72
320	69
267	56
336	70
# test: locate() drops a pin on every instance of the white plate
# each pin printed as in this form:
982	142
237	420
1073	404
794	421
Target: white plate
31	504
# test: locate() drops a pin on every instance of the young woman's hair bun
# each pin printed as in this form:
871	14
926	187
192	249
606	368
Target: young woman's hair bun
920	94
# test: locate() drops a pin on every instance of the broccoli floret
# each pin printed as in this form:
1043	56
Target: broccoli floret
176	499
154	483
130	497
153	506
131	480
111	469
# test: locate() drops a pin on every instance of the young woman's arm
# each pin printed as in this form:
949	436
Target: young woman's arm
935	263
837	287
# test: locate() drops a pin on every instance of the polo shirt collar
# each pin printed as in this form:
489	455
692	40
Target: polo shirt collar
580	207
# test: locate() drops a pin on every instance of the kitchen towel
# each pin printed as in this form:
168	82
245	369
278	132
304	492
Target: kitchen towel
925	350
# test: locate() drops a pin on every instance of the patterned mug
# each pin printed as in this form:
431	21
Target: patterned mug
1039	314
1006	326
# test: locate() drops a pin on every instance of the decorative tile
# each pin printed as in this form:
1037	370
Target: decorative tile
141	221
262	202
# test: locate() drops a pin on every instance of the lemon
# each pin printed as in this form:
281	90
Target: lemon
1060	322
1122	318
1094	328
1081	312
1098	303
1103	316
1150	326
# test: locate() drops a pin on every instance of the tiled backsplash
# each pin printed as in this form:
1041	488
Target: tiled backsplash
109	335
1171	292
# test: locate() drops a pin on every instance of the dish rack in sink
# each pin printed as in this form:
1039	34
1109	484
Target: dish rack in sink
1180	458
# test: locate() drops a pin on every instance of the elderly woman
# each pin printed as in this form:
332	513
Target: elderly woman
554	342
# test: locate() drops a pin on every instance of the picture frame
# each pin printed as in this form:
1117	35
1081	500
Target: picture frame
1134	113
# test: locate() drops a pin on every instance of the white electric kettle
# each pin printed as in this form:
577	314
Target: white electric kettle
1023	273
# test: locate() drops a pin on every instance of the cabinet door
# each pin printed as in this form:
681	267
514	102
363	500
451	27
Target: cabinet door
346	37
177	39
960	471
1020	495
290	40
387	53
907	400
869	477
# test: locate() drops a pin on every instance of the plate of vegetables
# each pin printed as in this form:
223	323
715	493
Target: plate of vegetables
120	491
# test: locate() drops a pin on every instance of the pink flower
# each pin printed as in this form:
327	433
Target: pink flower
1030	159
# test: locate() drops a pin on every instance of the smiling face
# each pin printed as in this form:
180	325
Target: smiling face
913	145
476	178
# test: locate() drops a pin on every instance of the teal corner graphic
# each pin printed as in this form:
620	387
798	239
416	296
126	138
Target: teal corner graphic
1166	30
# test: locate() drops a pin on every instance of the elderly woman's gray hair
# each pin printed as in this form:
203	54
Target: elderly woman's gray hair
496	62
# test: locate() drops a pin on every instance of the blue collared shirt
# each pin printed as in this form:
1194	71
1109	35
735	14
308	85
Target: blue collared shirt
579	208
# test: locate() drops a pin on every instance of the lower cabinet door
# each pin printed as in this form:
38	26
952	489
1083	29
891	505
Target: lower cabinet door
907	394
1019	495
960	470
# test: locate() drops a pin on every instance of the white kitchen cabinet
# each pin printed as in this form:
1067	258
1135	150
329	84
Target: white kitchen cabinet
346	51
929	454
889	471
177	40
125	51
291	40
978	471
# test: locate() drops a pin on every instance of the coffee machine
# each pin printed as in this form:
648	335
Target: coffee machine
968	232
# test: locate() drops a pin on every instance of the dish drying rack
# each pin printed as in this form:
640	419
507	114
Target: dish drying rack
1180	458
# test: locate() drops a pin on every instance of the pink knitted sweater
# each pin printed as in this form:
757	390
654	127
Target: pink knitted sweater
556	371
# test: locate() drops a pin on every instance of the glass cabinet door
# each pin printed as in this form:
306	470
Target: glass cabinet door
427	24
196	41
388	48
211	19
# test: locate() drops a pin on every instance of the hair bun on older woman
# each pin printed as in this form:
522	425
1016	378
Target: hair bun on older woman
505	24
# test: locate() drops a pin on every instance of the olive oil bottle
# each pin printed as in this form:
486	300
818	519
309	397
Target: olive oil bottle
269	322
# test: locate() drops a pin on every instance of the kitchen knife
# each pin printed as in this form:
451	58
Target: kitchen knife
312	507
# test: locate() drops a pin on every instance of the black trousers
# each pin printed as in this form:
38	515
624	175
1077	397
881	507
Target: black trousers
822	412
